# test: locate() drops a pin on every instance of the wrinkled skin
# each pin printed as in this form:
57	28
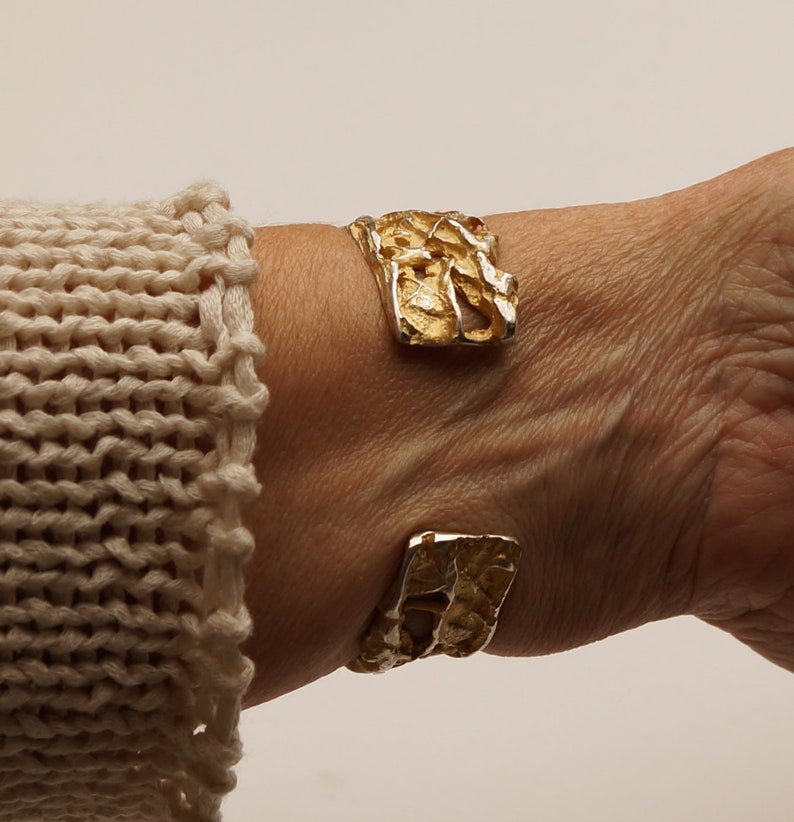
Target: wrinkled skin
745	581
637	437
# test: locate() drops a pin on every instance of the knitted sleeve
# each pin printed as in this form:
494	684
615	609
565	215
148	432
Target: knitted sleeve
128	402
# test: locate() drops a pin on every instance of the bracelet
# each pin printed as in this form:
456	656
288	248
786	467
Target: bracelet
437	277
445	600
439	284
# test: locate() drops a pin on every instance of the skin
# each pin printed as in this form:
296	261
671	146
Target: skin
637	436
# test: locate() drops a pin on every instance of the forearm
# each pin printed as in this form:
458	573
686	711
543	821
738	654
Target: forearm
315	567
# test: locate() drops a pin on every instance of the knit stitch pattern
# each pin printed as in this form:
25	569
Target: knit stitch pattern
128	403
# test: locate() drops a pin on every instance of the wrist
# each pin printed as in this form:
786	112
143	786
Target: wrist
559	439
614	363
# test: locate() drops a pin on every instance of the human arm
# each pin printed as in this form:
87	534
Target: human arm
617	437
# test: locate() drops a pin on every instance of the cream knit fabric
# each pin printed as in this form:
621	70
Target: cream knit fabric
128	400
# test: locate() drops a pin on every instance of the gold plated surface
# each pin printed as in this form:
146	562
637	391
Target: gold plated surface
438	278
445	600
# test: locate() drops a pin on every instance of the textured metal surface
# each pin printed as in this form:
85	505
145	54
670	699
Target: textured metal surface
445	600
438	278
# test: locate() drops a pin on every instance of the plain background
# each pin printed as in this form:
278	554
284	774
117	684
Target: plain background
321	111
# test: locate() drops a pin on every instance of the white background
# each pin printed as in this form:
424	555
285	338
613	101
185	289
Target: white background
325	110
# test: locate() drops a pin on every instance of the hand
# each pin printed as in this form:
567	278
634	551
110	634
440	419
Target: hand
745	573
616	438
